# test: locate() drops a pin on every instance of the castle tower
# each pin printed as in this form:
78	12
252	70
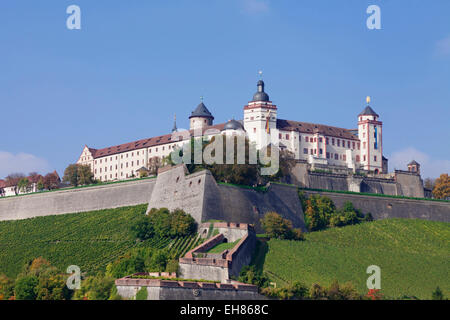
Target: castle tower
371	136
260	118
200	117
414	166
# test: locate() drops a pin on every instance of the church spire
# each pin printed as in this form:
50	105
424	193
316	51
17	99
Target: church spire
174	129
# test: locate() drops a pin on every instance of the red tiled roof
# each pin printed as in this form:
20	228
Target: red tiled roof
144	143
305	127
2	184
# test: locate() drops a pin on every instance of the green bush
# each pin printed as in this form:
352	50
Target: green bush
164	223
276	227
142	294
26	287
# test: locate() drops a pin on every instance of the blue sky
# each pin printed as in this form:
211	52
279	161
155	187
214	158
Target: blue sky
134	64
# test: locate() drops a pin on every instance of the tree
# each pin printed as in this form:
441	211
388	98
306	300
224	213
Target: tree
442	187
6	287
78	174
13	181
23	185
276	227
51	181
429	183
437	294
181	224
40	184
71	174
85	175
95	288
26	287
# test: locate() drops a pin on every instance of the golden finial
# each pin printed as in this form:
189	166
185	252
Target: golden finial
368	99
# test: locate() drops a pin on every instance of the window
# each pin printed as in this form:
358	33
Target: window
305	150
254	130
137	162
100	160
328	155
348	144
95	171
364	158
320	139
126	165
137	153
375	158
110	168
100	170
106	160
106	169
359	146
95	161
338	142
306	139
353	145
116	166
279	136
321	151
344	157
332	141
315	151
156	150
121	166
327	141
336	156
312	151
132	163
357	158
287	137
252	118
375	146
315	139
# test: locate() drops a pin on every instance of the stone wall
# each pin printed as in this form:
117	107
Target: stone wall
385	207
218	267
76	200
184	290
402	183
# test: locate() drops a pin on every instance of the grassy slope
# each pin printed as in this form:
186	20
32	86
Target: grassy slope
89	240
413	256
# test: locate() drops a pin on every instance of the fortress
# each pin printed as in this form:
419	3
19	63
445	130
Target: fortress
338	149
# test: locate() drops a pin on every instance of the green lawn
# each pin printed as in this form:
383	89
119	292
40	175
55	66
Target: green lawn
221	247
413	256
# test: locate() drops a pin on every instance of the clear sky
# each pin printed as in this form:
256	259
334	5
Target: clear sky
135	63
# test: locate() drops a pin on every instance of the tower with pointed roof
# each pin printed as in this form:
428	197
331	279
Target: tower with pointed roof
200	117
260	118
370	133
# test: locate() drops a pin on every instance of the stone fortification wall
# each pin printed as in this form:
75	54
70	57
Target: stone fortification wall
218	267
76	200
385	207
184	290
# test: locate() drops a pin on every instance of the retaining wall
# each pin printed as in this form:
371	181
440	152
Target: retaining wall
76	200
184	290
384	207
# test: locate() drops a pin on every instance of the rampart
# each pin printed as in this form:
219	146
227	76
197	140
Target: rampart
185	290
198	264
385	207
76	200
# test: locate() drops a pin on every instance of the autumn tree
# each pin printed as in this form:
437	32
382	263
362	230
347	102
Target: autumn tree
13	181
51	181
442	187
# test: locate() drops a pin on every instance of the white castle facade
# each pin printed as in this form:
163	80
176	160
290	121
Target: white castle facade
356	149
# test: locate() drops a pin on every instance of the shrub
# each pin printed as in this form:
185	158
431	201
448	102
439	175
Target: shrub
6	287
276	227
26	287
437	294
142	294
164	223
250	275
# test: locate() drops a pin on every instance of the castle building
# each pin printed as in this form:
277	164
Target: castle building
356	149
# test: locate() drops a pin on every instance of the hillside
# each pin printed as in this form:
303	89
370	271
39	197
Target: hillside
89	240
413	256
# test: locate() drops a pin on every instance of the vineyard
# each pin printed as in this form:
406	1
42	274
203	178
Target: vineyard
412	254
89	240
